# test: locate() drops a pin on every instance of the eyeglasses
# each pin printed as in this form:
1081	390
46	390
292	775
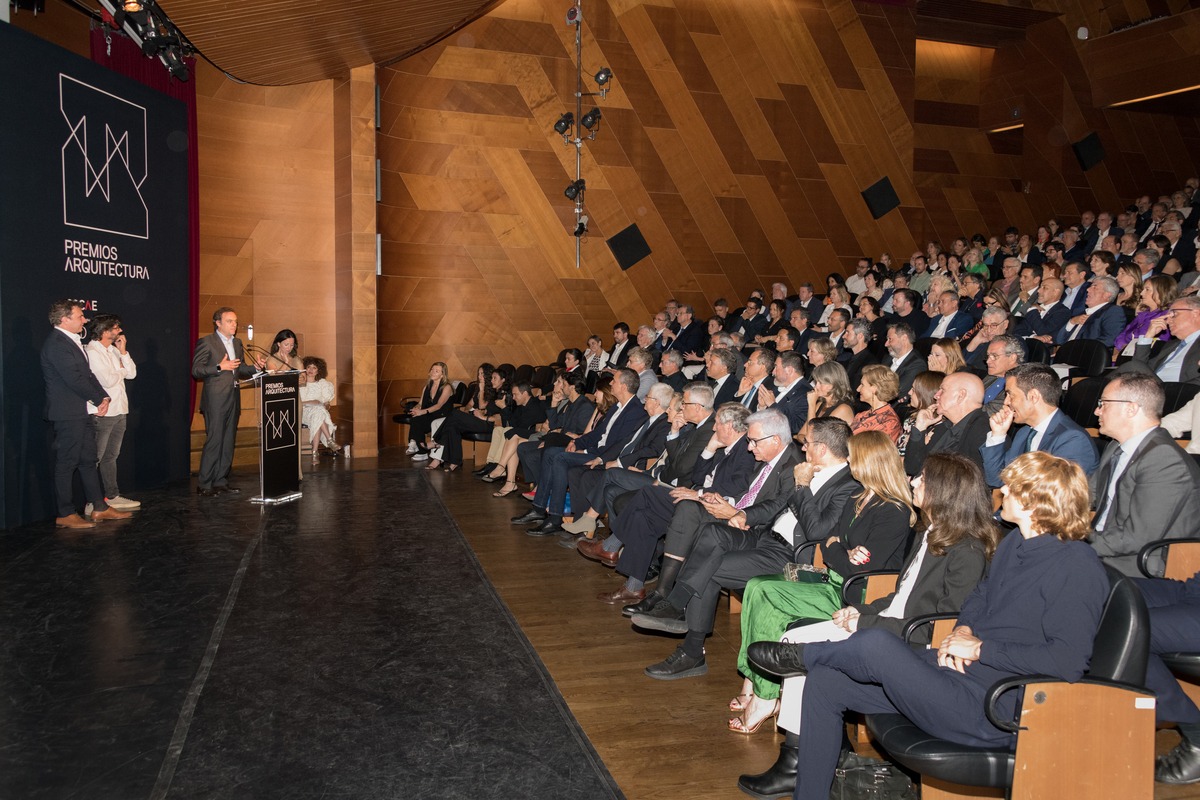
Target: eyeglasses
690	403
1105	401
754	442
1173	311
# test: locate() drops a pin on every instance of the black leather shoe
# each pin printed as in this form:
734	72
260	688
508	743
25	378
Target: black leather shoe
644	607
778	781
677	665
484	470
567	540
228	488
1181	765
778	658
552	526
534	514
207	492
663	617
490	478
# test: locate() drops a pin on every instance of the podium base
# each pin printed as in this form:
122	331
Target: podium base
274	501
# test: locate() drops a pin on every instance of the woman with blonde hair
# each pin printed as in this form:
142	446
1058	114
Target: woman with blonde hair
871	534
433	405
831	395
878	388
839	297
945	356
1039	608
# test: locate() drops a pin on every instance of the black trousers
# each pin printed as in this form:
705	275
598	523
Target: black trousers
75	449
452	430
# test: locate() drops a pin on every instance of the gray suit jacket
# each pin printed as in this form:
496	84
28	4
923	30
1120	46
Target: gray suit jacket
1157	498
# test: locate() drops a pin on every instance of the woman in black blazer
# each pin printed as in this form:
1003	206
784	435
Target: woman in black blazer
942	567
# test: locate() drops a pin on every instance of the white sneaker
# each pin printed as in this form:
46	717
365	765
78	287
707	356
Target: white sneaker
412	448
421	457
122	503
87	510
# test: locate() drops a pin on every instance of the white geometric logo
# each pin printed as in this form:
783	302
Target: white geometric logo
104	160
279	424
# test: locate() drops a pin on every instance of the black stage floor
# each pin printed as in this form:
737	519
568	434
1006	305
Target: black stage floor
345	645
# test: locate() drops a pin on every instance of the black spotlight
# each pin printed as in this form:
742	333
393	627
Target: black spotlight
590	119
603	76
575	189
564	123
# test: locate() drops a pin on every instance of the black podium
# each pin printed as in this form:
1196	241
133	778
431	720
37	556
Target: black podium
278	436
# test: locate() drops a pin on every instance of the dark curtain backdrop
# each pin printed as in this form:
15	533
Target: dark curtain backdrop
122	55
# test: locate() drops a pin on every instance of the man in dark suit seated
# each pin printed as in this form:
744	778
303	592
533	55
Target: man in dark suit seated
70	386
670	370
1145	487
996	322
857	355
1031	401
906	361
1004	353
602	444
758	534
801	332
720	365
1048	317
1028	281
950	323
1075	286
689	339
907	309
1102	321
759	367
1178	359
751	322
806	300
790	394
955	423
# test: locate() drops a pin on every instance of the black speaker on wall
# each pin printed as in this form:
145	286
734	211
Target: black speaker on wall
629	247
1089	151
880	197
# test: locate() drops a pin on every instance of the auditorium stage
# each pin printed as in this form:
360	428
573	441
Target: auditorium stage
348	645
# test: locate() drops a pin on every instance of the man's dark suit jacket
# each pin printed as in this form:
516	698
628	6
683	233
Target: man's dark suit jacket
1078	303
740	399
794	404
649	445
623	356
574	418
815	306
912	366
960	323
965	438
688	340
676	381
817	515
1183	251
218	391
70	384
1148	358
683	453
624	428
732	472
855	363
1156	498
727	391
773	497
1103	325
1034	323
942	583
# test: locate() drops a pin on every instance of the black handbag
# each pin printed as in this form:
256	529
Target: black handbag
863	778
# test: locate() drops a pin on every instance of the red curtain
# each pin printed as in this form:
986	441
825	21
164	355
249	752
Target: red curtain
123	56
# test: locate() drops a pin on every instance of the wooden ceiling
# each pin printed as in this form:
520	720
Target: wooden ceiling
284	42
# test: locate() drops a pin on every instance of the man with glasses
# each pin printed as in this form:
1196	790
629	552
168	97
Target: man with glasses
1178	359
757	535
1102	320
1003	354
1145	488
995	322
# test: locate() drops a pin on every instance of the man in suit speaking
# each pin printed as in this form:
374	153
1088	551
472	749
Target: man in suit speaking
70	386
217	362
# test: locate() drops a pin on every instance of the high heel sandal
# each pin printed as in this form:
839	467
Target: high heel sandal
738	704
738	724
451	467
505	492
433	465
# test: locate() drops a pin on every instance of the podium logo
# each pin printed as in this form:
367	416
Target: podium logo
104	161
279	424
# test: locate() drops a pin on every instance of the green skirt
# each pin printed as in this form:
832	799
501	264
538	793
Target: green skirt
770	604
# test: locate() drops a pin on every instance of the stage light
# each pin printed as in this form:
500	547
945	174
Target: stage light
590	119
581	227
575	189
574	15
564	123
603	76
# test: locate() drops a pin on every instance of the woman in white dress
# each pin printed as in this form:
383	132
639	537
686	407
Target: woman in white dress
315	397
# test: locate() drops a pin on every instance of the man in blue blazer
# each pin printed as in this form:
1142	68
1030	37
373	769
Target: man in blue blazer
950	323
603	443
1075	286
70	386
1032	395
790	393
1102	321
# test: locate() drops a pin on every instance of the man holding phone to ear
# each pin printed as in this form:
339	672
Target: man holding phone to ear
112	365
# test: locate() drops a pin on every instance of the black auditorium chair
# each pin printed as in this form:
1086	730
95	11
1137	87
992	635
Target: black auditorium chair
543	379
1036	351
1088	358
922	346
1183	561
1079	402
1178	395
524	374
1061	727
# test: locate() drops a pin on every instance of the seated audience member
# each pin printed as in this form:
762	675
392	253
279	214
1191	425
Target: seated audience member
595	359
645	340
1178	359
519	421
838	320
921	276
316	394
820	351
776	319
950	322
838	298
1130	279
1103	262
689	338
857	283
566	397
1009	282
785	339
734	343
720	365
945	356
602	444
109	360
750	322
1157	295
798	321
1044	596
744	545
283	353
1186	421
995	322
572	360
1174	608
759	367
906	308
973	292
480	416
857	356
674	514
433	405
721	311
1145	487
642	363
660	325
879	387
1075	284
869	310
671	370
810	303
956	423
829	397
565	424
1044	320
872	533
1103	319
1031	401
1004	353
1029	281
906	361
790	394
943	566
621	347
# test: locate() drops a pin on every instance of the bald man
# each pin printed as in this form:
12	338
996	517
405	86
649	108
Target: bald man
955	423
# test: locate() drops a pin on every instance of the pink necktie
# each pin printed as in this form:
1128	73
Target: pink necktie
748	497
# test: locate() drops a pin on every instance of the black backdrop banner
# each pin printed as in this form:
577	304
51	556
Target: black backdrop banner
93	187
